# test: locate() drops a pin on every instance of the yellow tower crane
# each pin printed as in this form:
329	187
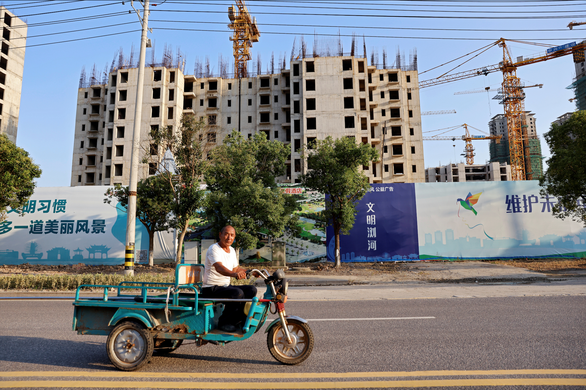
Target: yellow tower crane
245	33
513	98
467	137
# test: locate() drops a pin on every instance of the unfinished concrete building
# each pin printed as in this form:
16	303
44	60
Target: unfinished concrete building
341	96
14	33
454	173
499	152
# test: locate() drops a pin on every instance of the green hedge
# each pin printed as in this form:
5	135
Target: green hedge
72	282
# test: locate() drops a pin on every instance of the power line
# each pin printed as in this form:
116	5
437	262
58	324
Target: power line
389	16
69	10
74	40
396	10
369	27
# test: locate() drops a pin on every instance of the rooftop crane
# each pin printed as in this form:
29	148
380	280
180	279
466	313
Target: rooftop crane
574	24
245	33
468	138
513	97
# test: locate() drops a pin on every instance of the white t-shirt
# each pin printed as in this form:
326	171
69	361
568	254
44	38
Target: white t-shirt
216	254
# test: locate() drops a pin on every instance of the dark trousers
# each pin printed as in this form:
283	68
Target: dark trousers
233	312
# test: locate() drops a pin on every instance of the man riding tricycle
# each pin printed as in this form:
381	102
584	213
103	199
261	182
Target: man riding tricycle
146	317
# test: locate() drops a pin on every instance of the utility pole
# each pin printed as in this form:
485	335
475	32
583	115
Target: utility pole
131	212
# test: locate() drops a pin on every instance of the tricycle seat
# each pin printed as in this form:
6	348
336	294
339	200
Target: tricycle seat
189	275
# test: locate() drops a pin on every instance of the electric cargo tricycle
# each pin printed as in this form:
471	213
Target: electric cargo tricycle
142	318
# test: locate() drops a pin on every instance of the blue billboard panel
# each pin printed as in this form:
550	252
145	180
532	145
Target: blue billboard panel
481	220
385	228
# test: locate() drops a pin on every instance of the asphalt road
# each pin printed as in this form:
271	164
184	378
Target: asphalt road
513	342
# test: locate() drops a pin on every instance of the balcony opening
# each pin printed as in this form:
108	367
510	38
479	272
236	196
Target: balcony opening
349	102
295	69
348	83
265	100
349	122
346	64
398	169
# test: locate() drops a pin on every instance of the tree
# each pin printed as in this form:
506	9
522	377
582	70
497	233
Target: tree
243	193
565	177
17	175
333	170
153	204
183	182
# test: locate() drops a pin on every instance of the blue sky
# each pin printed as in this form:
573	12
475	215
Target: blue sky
439	31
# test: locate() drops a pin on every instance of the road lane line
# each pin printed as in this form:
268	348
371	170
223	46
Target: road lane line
300	385
370	319
306	375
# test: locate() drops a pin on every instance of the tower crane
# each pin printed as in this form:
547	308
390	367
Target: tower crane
438	112
513	97
574	24
468	138
245	33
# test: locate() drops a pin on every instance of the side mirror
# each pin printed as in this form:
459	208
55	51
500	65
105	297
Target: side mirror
279	274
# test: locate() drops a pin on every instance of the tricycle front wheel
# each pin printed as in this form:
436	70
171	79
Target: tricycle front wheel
290	353
130	346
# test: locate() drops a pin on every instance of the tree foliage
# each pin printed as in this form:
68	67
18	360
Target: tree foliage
153	204
188	146
17	175
242	187
333	170
566	173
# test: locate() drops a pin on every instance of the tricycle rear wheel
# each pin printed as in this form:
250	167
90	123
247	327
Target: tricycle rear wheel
130	346
296	352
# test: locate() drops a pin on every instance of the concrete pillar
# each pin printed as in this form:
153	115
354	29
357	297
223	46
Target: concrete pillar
191	252
278	253
205	244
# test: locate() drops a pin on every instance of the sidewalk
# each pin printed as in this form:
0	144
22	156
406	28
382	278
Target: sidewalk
436	272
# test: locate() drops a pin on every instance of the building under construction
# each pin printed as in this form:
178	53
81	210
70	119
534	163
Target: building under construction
499	152
579	84
317	96
14	33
